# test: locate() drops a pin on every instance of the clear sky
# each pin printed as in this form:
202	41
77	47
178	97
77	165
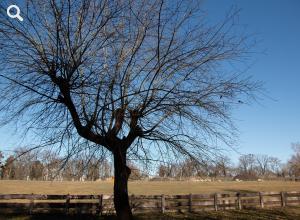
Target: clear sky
270	126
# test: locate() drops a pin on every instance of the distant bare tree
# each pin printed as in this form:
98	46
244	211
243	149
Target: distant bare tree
263	162
24	158
294	162
247	164
52	164
105	169
275	166
139	79
136	172
162	171
223	165
188	168
1	165
170	170
93	170
36	170
70	171
9	169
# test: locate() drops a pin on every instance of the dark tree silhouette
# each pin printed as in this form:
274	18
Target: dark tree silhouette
140	79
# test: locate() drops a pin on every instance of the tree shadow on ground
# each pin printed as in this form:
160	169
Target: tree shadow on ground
290	213
240	191
249	214
54	217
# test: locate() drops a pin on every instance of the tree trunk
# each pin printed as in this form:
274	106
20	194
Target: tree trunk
121	199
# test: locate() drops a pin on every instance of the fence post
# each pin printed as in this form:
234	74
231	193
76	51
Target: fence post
282	195
216	201
100	205
31	205
191	202
163	203
239	201
261	200
67	203
132	203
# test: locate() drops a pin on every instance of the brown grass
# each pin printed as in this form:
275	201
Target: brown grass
142	187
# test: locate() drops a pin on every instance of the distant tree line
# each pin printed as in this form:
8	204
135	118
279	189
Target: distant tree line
249	167
48	166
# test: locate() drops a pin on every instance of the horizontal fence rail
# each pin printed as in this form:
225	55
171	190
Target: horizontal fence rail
99	204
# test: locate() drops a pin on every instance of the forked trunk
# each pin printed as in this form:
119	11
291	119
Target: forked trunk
121	199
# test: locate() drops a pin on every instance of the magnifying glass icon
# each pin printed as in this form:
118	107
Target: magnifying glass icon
16	14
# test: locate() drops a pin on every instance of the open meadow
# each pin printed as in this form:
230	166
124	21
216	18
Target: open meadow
143	187
156	188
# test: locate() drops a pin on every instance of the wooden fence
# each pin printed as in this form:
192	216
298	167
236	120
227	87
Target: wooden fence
99	204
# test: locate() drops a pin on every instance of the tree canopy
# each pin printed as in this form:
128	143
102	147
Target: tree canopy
140	79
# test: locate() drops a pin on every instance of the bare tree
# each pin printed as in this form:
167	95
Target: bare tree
136	172
93	170
52	164
139	79
263	162
163	171
1	165
36	170
105	169
24	159
223	165
294	162
170	170
247	165
188	168
9	169
275	166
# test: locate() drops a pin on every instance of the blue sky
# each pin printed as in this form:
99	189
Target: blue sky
267	127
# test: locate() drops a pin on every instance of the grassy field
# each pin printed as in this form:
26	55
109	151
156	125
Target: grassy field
142	187
146	188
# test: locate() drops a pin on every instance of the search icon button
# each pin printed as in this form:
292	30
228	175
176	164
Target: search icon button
16	14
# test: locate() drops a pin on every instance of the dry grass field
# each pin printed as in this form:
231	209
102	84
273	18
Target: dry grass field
155	188
142	187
